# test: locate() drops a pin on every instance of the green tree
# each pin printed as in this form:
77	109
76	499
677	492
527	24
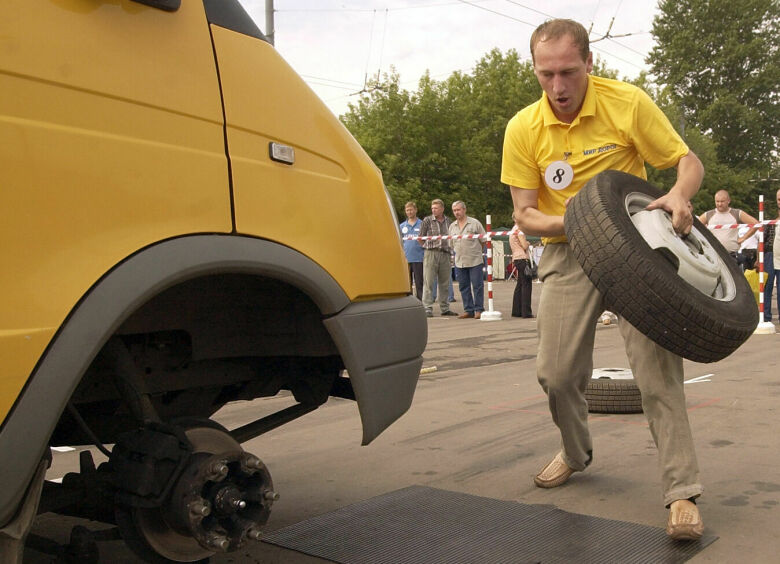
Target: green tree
445	139
717	175
721	61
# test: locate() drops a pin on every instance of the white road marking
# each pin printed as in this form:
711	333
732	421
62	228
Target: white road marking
705	378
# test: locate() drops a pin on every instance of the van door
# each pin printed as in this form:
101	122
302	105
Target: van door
112	139
329	203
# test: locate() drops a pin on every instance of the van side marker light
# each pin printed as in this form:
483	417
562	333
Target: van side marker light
281	153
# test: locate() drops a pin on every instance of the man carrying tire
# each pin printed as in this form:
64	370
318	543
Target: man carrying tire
581	126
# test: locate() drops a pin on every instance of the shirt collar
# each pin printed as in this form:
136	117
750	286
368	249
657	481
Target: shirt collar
588	107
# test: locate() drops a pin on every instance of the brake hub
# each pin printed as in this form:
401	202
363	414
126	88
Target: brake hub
220	498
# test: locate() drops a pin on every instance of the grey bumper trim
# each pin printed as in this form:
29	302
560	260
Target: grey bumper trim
383	373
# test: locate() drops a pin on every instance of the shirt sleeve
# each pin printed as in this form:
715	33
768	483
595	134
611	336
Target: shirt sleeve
654	137
424	228
518	166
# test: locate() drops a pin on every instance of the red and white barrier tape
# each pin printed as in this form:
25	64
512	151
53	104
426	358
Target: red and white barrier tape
748	225
486	235
498	233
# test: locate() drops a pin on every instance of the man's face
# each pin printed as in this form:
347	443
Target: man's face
459	211
563	75
437	210
411	212
722	202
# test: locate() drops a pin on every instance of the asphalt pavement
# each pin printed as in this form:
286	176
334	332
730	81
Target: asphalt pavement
479	425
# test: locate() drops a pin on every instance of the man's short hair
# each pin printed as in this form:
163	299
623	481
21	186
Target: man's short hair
407	204
437	201
555	29
459	203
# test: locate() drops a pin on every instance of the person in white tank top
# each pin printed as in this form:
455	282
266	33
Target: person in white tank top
723	214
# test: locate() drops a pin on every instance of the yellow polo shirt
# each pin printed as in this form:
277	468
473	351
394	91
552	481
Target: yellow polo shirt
619	127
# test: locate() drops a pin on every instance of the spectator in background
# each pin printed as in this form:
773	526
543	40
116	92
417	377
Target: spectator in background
724	214
771	254
412	249
521	258
436	261
450	291
536	254
748	249
468	261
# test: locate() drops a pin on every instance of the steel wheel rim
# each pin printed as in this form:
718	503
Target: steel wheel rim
693	258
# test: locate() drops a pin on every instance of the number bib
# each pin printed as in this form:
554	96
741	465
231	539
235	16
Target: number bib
558	175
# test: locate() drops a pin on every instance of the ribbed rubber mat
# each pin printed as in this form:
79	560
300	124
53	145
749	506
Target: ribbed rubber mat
426	525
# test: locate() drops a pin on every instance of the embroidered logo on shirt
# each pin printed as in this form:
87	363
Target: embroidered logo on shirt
602	149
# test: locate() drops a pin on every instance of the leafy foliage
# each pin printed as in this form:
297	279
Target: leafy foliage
721	62
445	139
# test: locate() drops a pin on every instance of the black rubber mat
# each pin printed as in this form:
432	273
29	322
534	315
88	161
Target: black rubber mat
427	525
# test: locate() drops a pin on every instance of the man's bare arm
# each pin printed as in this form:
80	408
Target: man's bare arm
690	173
747	218
530	220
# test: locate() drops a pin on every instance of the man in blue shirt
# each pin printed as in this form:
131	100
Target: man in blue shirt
412	249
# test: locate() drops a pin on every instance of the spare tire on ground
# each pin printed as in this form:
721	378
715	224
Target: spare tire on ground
685	293
613	390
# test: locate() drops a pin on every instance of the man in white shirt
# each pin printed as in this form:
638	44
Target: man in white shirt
724	214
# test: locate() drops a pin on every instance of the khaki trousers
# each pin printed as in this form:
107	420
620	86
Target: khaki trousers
569	309
436	270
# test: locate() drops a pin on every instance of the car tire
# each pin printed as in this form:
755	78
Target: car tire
650	286
607	394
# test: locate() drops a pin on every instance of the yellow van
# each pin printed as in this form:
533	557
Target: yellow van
183	224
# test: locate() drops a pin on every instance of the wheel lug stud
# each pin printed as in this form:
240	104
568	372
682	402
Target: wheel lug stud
217	471
253	462
200	508
239	504
270	495
218	542
254	534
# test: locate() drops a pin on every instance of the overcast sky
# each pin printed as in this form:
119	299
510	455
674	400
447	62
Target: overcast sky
334	44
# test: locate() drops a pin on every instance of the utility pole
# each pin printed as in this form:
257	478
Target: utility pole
269	20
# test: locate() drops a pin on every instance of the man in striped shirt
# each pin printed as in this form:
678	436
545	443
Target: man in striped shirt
436	262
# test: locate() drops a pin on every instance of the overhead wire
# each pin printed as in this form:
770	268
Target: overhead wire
497	13
626	46
529	8
382	47
396	9
308	76
596	11
611	37
368	56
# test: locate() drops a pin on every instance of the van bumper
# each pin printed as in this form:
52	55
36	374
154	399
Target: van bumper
383	372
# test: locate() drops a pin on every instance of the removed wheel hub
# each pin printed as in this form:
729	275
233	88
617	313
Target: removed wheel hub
222	497
219	498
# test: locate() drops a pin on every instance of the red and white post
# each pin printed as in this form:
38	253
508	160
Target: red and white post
764	327
489	314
